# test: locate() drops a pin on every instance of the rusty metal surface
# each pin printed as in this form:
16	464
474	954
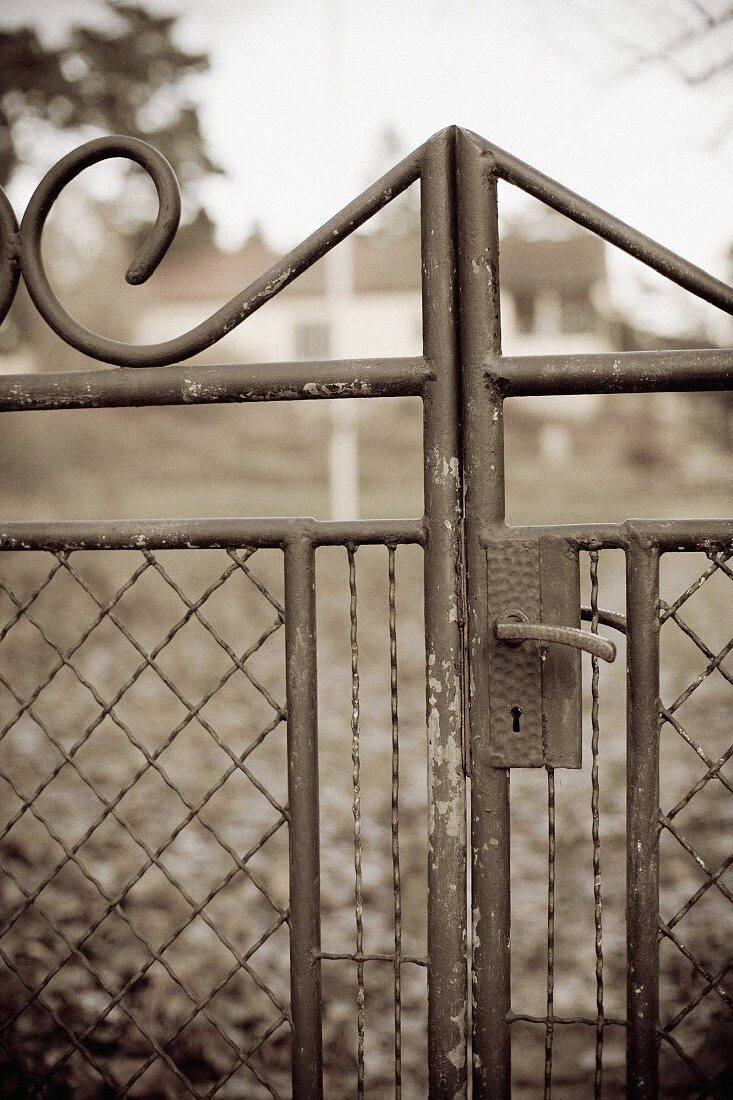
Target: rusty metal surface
483	472
204	384
613	372
444	614
303	807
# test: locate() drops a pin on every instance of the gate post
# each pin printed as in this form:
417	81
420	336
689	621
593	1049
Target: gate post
483	466
447	974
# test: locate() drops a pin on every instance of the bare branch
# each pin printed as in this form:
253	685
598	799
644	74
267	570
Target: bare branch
725	65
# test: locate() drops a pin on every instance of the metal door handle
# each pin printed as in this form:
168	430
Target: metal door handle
513	629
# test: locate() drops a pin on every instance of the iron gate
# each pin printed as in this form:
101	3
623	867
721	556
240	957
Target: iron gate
502	618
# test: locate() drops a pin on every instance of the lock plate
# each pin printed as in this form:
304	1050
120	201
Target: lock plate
535	706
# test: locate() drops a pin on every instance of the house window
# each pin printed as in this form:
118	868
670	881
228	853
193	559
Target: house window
576	314
312	340
524	312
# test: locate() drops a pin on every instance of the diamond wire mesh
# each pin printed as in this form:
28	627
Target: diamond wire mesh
695	928
135	917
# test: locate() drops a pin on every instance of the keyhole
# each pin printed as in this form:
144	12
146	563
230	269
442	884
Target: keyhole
516	713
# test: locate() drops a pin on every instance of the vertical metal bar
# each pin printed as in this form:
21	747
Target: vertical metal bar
356	806
483	451
305	888
596	835
550	1004
642	818
447	972
396	878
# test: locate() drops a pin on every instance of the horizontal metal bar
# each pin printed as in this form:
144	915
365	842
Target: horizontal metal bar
620	372
666	535
688	534
201	384
590	1021
204	534
612	229
361	956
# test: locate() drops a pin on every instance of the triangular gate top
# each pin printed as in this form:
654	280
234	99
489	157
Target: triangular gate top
22	246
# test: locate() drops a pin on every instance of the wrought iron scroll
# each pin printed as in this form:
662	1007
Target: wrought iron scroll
21	246
22	251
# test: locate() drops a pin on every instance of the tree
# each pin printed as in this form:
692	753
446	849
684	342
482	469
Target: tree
692	38
129	77
126	75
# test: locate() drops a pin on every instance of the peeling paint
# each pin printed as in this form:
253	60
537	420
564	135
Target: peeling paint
450	811
450	469
192	389
332	389
457	1055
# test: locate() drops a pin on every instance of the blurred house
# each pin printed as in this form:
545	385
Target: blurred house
554	297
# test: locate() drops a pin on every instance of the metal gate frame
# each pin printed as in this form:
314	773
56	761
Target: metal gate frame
462	379
488	378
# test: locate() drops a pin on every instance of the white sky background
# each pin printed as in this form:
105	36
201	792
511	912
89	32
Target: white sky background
300	92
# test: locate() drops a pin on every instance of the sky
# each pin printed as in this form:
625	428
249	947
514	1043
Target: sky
300	92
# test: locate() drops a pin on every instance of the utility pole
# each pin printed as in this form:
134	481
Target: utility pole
343	451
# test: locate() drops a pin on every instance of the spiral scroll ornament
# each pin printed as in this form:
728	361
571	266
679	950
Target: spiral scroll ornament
22	252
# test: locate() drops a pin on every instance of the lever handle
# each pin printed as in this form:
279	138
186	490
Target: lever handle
511	630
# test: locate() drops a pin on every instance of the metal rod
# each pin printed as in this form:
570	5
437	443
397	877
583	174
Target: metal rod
203	384
304	862
356	809
483	457
596	835
606	618
447	975
612	229
395	821
642	810
243	305
550	987
666	534
202	534
613	372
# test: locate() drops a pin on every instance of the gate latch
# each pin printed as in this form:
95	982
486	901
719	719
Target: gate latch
535	707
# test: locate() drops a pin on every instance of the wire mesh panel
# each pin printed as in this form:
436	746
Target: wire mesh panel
569	893
696	820
144	935
146	900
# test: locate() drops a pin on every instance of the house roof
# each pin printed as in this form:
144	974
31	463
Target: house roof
383	262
